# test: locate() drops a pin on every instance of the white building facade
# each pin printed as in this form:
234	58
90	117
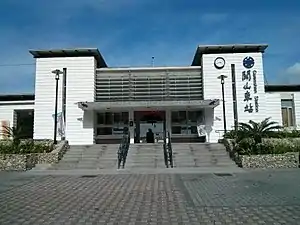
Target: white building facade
98	102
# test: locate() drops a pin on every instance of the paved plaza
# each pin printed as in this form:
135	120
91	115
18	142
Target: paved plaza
252	197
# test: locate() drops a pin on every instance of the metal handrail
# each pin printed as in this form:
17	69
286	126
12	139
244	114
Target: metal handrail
168	151
123	150
165	150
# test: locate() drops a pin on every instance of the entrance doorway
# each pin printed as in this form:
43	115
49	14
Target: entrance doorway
23	120
145	120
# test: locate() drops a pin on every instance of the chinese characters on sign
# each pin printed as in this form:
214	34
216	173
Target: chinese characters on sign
250	94
255	91
246	77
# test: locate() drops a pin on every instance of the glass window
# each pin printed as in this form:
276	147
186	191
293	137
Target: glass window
104	131
287	103
176	130
192	116
194	130
125	117
117	117
291	117
287	117
182	116
287	111
174	117
178	117
100	118
108	118
285	120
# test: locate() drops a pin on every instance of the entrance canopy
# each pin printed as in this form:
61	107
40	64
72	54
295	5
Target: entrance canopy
195	104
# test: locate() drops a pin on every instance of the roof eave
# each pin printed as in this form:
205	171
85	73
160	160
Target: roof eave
51	53
235	48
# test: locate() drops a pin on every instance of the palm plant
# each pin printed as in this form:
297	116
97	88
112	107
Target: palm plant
14	133
259	130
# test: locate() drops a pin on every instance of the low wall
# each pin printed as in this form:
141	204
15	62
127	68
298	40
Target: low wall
28	161
287	160
229	145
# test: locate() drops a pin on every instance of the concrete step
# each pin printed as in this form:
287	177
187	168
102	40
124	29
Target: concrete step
179	157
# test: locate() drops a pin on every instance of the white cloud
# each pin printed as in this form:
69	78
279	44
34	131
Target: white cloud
294	69
290	75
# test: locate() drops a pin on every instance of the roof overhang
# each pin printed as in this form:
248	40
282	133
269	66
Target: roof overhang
282	88
217	49
17	97
76	52
141	105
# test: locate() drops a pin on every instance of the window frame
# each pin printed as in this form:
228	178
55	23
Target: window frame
289	110
188	127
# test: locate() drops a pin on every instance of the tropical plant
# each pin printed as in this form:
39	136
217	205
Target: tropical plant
26	146
259	130
237	135
13	132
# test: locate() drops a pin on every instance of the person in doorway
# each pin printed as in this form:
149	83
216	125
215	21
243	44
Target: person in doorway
150	136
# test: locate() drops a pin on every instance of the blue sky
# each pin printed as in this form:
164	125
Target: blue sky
130	32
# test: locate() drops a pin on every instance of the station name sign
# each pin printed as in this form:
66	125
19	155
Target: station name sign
250	86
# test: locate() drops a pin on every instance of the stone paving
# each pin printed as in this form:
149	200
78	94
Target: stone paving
253	197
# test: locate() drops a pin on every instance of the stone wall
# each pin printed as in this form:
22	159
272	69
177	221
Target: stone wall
28	161
229	145
13	162
287	160
54	156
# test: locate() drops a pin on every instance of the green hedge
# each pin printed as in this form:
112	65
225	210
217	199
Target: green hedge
273	134
25	147
247	146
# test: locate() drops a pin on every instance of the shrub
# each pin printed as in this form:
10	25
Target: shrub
25	147
261	138
14	133
260	130
7	146
247	146
285	134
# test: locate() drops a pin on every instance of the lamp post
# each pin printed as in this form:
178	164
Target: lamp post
57	72
222	78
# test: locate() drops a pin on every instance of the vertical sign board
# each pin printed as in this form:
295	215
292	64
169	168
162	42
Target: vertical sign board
249	81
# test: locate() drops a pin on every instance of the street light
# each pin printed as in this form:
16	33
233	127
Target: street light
57	72
222	78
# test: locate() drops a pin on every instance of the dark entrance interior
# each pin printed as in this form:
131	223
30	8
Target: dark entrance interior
23	119
145	120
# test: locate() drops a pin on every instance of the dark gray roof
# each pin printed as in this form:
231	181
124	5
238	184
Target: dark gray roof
235	48
76	52
282	88
17	97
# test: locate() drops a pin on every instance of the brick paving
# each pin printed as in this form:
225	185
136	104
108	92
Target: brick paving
245	198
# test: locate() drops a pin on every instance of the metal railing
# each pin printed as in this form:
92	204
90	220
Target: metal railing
123	150
168	151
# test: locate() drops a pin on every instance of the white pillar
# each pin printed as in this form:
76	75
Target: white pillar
131	128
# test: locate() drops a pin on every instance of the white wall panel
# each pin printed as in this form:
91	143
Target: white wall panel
80	87
212	89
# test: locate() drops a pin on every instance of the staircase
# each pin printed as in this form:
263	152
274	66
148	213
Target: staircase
145	156
99	156
201	155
